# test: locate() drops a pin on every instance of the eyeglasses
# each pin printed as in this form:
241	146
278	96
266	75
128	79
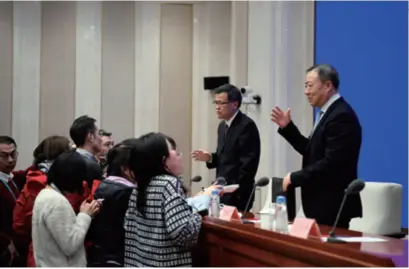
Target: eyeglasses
219	103
4	155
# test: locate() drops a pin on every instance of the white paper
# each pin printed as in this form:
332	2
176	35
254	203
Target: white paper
364	239
230	188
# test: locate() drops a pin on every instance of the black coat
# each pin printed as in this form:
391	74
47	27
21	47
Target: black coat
107	233
330	163
237	158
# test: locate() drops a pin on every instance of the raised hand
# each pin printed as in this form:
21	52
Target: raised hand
281	118
201	155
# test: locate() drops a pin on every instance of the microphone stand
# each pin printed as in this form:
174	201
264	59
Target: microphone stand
331	236
246	208
190	186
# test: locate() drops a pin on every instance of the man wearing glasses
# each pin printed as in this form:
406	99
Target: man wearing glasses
11	183
238	147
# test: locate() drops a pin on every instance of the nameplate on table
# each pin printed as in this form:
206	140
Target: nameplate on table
305	228
229	213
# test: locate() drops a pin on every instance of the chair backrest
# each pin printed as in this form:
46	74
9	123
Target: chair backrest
382	209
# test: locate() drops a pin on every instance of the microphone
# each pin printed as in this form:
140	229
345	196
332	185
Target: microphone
354	187
196	179
220	181
259	183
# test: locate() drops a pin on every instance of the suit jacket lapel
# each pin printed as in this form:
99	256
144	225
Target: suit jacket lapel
323	119
222	138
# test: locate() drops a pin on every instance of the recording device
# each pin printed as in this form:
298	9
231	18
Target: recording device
354	187
259	183
246	90
196	179
249	97
220	181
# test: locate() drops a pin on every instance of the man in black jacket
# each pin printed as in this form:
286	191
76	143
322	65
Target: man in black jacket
330	153
85	134
238	147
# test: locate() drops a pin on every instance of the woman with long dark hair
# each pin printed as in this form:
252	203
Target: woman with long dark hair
107	229
160	226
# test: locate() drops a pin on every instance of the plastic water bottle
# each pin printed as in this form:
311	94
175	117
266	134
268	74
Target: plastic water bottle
281	217
215	205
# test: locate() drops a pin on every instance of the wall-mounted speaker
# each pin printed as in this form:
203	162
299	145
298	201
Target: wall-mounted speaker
212	83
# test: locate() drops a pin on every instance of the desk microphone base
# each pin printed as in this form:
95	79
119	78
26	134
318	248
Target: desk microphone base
335	240
244	221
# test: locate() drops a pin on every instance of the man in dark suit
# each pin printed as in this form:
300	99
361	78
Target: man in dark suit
330	153
238	147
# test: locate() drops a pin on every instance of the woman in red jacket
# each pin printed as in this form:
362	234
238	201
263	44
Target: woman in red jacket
47	151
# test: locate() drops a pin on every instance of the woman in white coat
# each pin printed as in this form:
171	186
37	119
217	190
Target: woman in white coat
58	234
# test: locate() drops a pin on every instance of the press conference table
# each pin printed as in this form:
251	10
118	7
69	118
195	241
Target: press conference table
233	244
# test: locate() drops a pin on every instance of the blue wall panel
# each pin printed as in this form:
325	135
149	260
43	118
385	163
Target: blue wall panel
368	44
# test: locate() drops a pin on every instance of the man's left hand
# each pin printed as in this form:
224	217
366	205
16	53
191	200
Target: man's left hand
286	181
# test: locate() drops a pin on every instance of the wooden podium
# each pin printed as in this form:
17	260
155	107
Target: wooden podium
233	244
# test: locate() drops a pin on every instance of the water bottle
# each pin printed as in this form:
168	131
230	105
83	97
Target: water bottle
214	205
281	217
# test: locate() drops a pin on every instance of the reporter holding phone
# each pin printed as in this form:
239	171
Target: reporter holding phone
57	232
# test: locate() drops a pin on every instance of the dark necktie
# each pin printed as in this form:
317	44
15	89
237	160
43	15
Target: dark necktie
226	129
